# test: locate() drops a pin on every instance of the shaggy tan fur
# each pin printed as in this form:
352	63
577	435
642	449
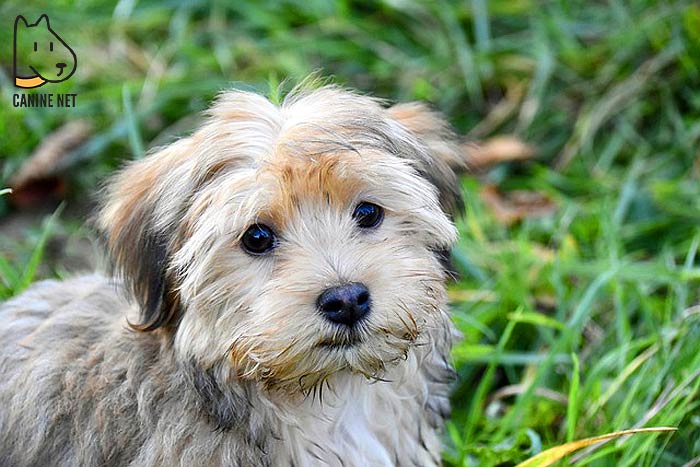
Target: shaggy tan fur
225	358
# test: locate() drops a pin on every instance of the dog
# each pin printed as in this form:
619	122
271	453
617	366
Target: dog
277	298
40	55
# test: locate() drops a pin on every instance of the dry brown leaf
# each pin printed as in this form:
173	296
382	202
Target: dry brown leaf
503	148
515	206
43	162
38	177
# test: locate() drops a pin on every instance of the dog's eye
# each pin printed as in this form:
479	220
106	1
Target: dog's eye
258	239
368	215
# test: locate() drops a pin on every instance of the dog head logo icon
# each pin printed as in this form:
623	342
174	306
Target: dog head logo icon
41	56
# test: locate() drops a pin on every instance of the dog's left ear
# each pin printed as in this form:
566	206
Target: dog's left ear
443	158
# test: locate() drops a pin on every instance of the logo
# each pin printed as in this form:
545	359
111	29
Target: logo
41	56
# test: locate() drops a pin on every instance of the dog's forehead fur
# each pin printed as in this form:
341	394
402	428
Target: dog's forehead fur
307	124
329	146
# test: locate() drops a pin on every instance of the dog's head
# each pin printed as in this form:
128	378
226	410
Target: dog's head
294	241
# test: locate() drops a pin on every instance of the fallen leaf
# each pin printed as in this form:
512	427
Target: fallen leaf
509	208
550	456
504	148
39	177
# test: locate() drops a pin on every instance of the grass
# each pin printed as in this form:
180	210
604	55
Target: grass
14	279
576	324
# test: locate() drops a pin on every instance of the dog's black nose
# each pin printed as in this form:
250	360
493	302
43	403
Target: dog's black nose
61	65
345	304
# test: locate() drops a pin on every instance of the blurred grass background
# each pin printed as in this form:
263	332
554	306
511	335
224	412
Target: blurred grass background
576	323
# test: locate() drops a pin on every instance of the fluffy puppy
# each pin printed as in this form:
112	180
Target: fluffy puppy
277	299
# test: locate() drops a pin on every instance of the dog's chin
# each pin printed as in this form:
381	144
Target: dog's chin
344	341
368	357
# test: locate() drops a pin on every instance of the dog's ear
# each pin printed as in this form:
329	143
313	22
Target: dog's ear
443	158
139	221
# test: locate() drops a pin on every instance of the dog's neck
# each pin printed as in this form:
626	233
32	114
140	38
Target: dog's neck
388	422
350	417
362	422
344	421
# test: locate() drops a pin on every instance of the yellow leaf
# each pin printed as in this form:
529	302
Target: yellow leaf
550	456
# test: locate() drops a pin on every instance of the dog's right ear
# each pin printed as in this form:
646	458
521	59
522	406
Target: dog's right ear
444	159
139	220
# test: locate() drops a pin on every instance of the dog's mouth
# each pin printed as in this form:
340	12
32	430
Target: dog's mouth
341	342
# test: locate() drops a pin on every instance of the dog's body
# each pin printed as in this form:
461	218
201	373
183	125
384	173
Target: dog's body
90	392
242	359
